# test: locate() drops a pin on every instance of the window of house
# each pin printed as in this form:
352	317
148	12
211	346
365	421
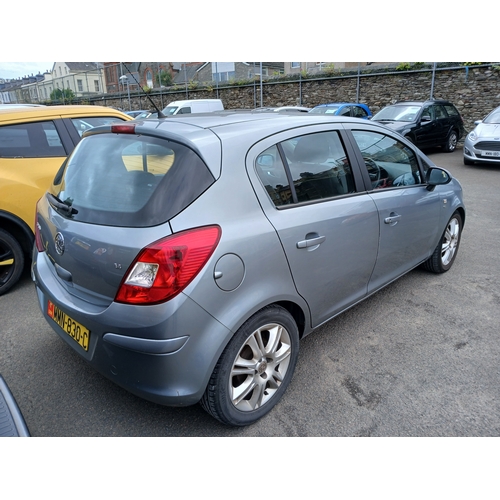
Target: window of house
224	76
295	65
96	85
80	85
389	162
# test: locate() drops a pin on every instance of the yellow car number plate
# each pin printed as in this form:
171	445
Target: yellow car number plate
75	330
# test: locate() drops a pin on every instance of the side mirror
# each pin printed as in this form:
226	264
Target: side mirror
436	176
426	118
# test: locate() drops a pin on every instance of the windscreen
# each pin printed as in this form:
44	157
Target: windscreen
170	110
493	117
398	113
325	110
128	180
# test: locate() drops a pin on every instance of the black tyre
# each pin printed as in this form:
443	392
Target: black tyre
254	369
11	261
451	142
444	255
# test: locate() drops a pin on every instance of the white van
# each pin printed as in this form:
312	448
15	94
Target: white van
193	106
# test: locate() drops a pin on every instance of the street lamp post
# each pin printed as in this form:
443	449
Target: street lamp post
124	79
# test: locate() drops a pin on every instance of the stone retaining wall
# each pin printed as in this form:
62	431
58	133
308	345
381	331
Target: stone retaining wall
474	91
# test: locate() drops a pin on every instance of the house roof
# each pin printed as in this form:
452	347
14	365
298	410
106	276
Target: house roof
83	66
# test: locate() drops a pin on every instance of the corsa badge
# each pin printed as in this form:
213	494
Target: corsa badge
59	243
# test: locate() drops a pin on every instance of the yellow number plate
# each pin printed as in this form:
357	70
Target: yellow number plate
75	330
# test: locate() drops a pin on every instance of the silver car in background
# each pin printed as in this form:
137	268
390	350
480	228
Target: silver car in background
482	145
184	258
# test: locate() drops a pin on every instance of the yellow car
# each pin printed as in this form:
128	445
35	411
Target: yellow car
34	142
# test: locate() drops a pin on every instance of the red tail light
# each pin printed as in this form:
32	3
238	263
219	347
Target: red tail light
123	128
164	268
38	236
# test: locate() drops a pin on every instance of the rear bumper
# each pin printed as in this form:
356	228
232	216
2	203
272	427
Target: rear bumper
12	423
163	353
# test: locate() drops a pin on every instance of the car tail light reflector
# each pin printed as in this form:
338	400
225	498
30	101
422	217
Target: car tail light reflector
123	128
165	268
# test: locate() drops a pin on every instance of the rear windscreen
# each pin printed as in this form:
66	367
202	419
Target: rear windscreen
127	180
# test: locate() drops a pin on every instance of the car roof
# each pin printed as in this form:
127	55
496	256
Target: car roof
227	122
340	104
30	113
420	103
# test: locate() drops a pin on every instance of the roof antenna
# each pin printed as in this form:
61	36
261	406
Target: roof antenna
160	114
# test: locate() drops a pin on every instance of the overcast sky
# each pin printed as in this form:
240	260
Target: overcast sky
13	70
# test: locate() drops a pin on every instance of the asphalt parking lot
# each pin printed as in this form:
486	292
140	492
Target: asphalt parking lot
419	358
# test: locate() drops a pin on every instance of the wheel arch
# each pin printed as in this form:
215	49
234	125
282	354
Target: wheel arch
297	313
19	230
461	211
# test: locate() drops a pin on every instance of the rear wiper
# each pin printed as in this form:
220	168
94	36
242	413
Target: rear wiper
61	205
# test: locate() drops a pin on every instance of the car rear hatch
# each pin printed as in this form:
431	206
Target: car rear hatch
114	196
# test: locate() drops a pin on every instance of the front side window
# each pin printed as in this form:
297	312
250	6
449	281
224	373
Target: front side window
359	112
389	162
31	140
439	112
345	111
428	113
316	164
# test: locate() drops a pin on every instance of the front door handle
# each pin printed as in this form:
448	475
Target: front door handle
308	243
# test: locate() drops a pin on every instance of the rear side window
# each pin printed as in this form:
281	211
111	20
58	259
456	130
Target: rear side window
451	110
31	140
130	181
316	163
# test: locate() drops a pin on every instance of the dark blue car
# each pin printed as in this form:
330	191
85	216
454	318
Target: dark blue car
355	110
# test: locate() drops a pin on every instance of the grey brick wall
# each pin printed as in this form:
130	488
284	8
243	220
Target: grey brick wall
475	91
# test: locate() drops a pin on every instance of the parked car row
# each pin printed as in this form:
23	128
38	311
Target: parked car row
200	245
427	124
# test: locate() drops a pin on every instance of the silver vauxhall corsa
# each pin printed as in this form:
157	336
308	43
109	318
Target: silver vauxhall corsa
185	257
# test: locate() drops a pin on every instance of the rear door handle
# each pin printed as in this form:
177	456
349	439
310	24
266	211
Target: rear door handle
392	219
311	242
